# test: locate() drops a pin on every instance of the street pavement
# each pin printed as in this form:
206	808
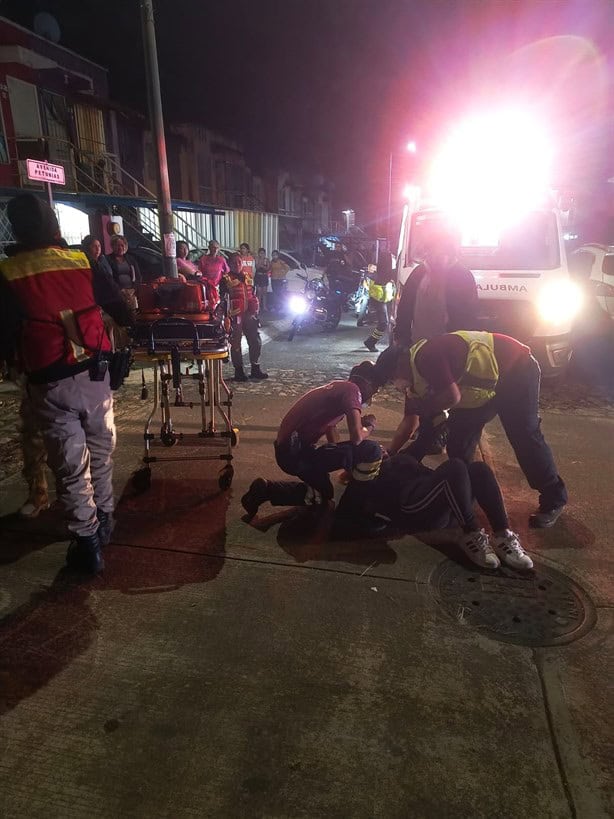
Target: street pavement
226	669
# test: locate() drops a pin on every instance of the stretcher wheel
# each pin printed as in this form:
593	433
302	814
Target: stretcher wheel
234	436
141	479
226	476
168	436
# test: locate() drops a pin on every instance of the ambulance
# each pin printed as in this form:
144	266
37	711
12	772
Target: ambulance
510	226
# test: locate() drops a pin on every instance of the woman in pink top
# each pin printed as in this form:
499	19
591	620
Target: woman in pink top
184	265
213	266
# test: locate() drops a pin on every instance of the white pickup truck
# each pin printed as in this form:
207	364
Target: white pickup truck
524	286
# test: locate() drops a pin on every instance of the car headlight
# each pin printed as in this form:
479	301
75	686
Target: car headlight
560	302
298	305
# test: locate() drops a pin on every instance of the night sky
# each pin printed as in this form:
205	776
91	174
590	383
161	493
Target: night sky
332	86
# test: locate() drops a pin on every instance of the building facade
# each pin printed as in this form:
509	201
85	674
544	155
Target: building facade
55	106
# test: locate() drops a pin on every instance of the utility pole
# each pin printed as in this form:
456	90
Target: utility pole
165	212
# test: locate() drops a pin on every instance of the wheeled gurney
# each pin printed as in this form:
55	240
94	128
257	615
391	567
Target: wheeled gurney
192	346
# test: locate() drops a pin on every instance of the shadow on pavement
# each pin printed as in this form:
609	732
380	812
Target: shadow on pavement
21	536
171	536
305	536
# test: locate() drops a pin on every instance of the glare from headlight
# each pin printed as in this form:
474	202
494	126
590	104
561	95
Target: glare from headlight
298	305
560	302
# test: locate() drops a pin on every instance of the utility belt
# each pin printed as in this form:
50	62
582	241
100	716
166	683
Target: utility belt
116	364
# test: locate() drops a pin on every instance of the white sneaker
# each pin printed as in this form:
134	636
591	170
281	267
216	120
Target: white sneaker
508	548
478	549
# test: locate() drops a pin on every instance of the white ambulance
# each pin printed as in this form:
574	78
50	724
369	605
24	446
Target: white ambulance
490	181
524	287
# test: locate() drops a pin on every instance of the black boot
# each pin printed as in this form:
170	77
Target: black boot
239	374
257	373
84	554
287	493
370	344
257	493
106	524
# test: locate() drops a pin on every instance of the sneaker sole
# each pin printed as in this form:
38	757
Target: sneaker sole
469	557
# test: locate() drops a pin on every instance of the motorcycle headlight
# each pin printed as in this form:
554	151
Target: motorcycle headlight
560	302
298	305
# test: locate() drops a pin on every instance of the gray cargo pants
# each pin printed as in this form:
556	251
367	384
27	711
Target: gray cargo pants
245	323
76	419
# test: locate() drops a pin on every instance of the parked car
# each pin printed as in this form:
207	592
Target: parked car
593	264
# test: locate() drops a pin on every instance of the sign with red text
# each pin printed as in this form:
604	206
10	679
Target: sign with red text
45	172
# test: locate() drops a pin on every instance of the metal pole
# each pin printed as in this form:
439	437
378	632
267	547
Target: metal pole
165	212
50	194
389	228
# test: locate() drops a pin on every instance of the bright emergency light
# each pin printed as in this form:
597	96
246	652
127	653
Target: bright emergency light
559	302
491	170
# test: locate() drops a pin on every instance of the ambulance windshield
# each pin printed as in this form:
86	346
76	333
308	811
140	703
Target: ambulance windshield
529	244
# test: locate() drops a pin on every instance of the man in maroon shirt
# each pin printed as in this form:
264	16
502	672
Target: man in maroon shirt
314	416
478	376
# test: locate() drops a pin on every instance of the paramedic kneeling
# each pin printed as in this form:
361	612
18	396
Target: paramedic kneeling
49	303
313	416
479	375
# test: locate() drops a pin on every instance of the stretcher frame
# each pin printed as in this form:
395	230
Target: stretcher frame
215	401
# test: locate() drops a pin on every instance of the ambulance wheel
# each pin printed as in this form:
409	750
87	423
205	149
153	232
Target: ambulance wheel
234	436
226	476
141	479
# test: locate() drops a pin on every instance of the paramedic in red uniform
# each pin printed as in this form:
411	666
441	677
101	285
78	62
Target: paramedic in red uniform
52	313
239	285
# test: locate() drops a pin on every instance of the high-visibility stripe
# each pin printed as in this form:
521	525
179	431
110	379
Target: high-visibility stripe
366	471
469	380
49	260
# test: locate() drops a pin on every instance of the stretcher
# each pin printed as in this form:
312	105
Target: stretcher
191	346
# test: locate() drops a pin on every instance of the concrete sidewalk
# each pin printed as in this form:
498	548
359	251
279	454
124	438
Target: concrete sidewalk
219	669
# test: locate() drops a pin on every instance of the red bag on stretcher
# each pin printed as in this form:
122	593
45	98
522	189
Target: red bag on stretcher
169	298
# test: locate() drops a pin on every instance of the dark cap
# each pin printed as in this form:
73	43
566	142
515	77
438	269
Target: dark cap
366	370
387	363
33	222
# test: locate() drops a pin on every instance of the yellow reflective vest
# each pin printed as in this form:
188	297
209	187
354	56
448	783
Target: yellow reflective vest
381	292
479	379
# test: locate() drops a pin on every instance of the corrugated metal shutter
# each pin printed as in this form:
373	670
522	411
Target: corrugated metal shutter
254	227
90	129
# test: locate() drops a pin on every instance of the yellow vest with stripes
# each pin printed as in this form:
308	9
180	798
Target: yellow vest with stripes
479	379
381	292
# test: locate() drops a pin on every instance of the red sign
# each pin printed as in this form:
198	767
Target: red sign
45	172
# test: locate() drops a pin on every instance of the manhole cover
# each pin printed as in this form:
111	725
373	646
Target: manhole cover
538	608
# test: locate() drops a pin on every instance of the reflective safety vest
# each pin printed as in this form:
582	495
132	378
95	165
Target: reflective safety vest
381	292
479	379
241	293
62	328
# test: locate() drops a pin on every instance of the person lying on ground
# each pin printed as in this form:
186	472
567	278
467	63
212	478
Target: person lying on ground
418	499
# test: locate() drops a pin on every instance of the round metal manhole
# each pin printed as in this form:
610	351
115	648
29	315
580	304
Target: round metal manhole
538	608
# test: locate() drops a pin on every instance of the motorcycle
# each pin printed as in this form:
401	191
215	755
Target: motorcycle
316	306
351	286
